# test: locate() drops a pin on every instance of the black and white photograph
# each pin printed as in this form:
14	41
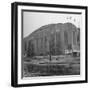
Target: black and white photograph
51	43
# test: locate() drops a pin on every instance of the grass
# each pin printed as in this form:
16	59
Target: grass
68	65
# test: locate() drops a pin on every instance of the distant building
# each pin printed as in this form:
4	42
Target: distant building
55	39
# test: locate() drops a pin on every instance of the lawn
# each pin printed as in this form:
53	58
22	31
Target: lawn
59	65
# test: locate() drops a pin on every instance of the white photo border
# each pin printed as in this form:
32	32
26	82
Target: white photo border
52	78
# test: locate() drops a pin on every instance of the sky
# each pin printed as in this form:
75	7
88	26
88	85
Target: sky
34	20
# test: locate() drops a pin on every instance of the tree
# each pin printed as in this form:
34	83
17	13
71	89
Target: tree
69	47
66	38
25	46
49	50
51	46
30	49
